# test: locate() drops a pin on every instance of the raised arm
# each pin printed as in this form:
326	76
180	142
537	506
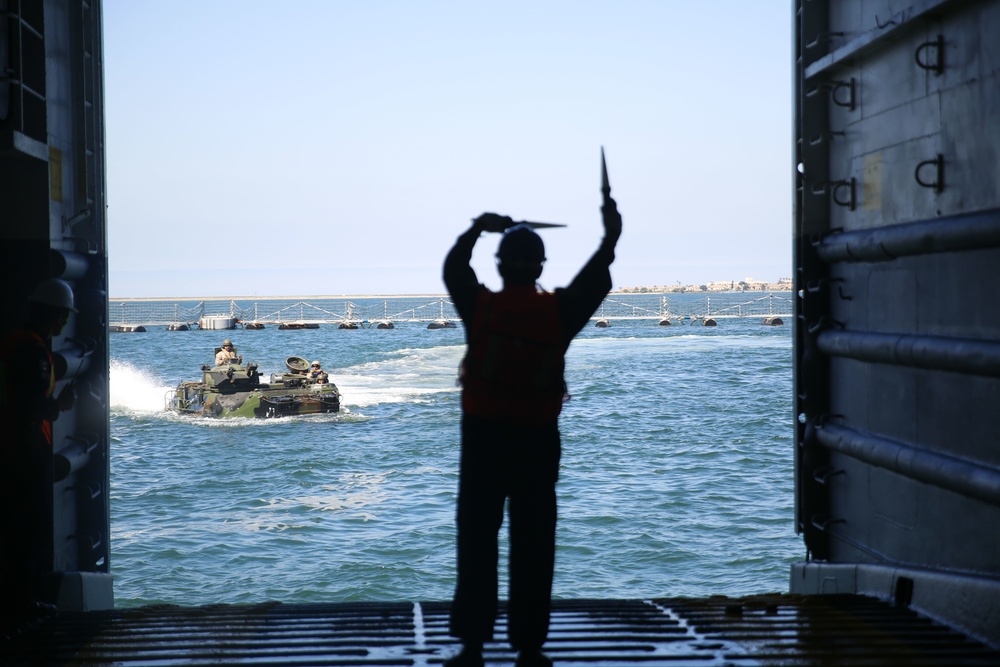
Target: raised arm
583	296
459	277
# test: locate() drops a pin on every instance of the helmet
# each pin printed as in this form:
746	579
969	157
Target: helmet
521	245
226	342
53	292
315	363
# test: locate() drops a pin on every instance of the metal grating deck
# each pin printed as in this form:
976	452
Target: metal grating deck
760	630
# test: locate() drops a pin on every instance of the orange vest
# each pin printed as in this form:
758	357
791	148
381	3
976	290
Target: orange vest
11	400
513	369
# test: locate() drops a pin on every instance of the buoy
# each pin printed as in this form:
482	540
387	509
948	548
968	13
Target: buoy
773	321
178	327
217	322
709	322
441	324
603	323
665	322
348	325
385	325
253	326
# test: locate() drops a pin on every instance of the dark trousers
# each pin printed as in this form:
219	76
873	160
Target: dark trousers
500	461
25	519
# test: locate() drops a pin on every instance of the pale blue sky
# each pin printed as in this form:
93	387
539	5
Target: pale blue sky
326	147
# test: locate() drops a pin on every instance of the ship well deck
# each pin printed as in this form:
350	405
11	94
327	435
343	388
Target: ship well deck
758	630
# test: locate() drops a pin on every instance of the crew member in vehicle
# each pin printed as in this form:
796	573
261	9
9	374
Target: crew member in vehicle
317	374
227	355
28	406
513	391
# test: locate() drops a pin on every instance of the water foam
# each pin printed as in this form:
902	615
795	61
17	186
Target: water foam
136	390
408	376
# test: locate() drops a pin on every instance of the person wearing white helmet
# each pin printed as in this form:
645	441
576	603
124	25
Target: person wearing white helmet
317	374
226	354
28	406
512	393
26	359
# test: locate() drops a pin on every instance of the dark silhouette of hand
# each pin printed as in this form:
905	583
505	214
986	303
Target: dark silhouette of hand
493	222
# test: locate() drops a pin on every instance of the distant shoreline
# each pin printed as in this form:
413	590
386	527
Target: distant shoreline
665	291
278	298
716	287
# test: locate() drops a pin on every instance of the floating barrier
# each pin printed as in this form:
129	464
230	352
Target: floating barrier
380	313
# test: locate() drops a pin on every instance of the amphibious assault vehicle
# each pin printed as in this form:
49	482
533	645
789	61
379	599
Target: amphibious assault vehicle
235	390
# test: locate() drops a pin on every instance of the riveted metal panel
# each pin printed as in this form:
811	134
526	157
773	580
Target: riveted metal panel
898	361
52	203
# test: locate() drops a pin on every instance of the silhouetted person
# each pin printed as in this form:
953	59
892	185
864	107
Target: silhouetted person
513	391
28	407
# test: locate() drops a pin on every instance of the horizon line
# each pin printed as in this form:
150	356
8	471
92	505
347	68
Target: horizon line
663	289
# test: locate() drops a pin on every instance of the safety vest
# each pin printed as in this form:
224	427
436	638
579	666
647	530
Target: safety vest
12	387
513	369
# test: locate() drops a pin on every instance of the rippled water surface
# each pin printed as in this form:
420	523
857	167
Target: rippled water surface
676	475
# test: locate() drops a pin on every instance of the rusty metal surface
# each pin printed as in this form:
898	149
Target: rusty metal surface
760	630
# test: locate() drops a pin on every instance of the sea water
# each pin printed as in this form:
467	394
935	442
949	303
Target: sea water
676	476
